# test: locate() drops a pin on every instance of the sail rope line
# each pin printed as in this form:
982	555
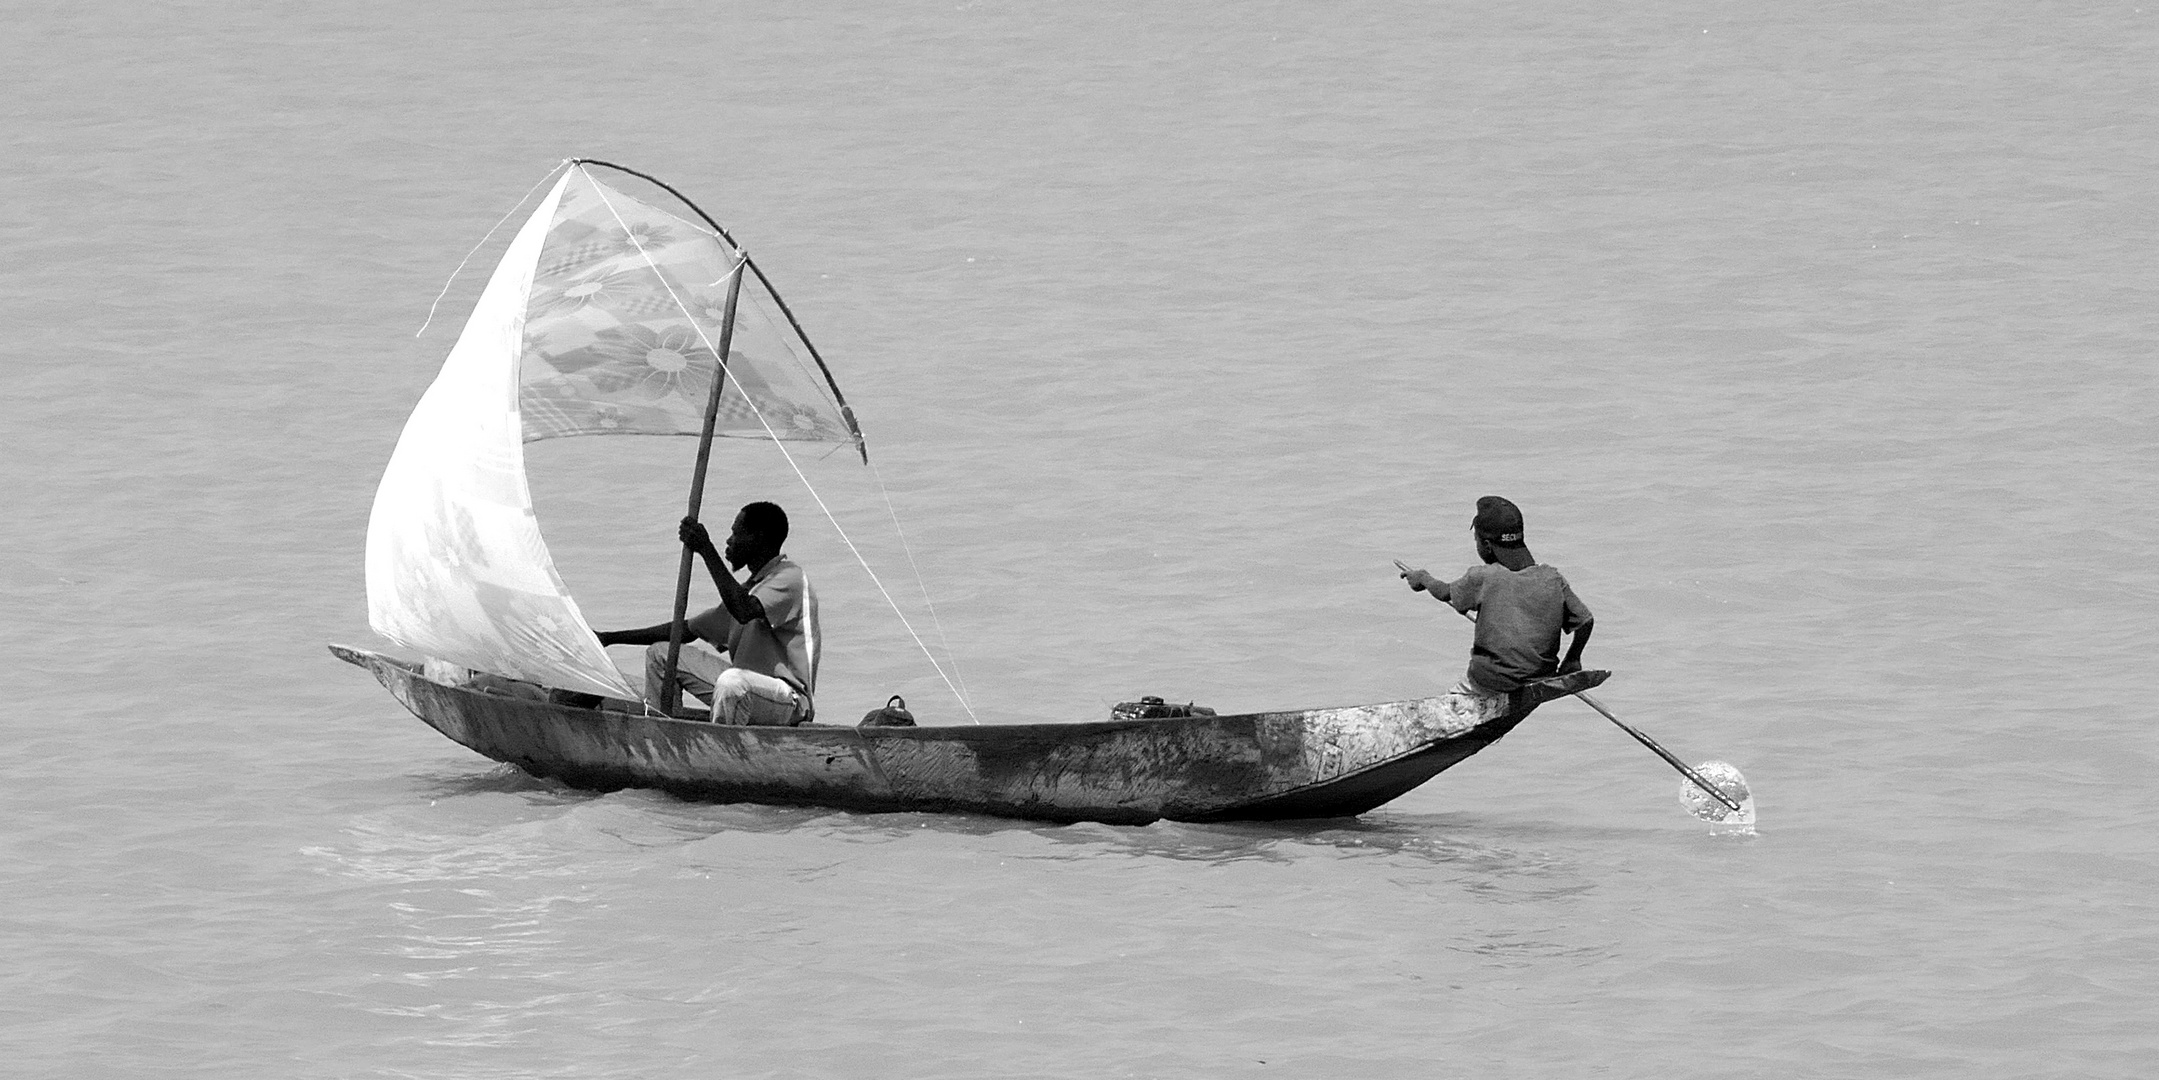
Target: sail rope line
430	320
920	582
601	190
899	530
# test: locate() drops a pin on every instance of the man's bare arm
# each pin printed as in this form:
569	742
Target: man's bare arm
1419	581
700	626
643	635
1573	662
736	599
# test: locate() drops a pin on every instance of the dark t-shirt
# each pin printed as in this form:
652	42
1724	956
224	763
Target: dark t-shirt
1520	615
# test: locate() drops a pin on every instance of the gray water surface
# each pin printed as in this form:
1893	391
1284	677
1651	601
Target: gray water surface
1816	344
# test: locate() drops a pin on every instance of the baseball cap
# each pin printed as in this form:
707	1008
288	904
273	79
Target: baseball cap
1499	521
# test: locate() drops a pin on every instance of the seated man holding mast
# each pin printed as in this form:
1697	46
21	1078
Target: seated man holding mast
767	625
1521	608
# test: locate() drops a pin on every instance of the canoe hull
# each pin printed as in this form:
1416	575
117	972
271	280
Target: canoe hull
1259	766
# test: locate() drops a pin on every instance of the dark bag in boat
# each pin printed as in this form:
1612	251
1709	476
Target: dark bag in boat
894	714
1153	708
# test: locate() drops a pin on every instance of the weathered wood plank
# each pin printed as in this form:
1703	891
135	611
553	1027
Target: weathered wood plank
1309	763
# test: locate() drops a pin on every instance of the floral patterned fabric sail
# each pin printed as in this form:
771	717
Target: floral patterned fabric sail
603	317
624	324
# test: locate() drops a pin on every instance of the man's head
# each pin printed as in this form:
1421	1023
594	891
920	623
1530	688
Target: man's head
1498	524
759	532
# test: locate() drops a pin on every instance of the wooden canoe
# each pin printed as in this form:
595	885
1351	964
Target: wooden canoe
1313	763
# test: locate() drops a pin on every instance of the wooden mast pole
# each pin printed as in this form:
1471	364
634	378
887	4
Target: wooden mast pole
678	630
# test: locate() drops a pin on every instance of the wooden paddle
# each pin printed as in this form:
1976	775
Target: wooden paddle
1684	770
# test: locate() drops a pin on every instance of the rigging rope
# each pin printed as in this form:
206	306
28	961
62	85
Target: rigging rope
483	243
601	190
920	582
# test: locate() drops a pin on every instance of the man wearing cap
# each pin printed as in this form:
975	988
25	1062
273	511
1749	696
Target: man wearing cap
1521	608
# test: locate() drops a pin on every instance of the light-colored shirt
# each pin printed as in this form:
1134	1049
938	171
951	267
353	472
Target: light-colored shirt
1520	614
785	644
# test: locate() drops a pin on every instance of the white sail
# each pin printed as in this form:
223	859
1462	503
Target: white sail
456	566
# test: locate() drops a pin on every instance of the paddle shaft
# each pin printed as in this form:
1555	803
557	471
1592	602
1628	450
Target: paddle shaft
1684	770
678	629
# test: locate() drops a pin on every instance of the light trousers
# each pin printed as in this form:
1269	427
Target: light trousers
738	695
